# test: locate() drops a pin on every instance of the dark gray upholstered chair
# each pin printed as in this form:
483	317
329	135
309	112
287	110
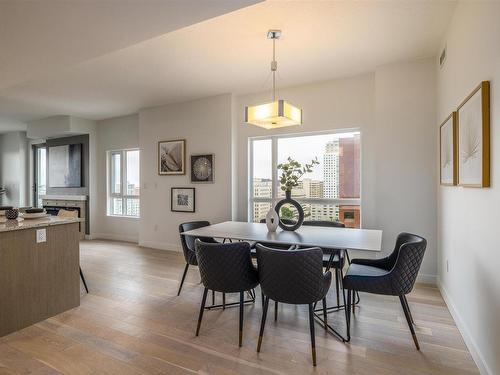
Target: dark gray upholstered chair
295	277
226	268
394	275
332	258
188	248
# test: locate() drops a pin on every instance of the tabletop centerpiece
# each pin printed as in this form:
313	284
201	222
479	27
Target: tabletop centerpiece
291	172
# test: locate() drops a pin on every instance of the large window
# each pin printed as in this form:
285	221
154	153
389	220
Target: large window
123	183
330	192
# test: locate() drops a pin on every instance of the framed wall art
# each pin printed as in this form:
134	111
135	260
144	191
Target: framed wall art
473	123
172	157
448	150
202	168
182	199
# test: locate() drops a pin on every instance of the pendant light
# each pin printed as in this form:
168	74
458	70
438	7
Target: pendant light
278	113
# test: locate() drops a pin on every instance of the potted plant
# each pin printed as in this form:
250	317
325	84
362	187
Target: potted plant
291	172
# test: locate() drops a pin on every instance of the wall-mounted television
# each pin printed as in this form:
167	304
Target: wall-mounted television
65	166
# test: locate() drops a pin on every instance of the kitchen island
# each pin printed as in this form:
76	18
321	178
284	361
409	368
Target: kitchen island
39	270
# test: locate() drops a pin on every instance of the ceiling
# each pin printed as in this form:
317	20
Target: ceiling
96	59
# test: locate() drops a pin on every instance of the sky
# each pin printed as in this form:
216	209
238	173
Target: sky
303	149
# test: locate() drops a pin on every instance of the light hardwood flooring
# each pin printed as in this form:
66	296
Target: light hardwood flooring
132	322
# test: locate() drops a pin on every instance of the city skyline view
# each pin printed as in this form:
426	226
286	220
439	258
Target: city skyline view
335	177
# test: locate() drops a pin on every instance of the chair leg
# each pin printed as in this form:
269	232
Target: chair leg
242	296
263	322
223	301
348	314
324	313
83	280
183	277
202	308
275	311
354	302
263	298
311	327
213	297
337	282
406	310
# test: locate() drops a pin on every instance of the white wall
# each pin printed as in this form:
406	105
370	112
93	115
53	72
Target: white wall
206	126
394	108
405	154
468	218
14	168
114	134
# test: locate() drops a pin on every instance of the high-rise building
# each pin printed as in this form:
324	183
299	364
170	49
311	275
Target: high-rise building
331	170
312	188
349	164
262	188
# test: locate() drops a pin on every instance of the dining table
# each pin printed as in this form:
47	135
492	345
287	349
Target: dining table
327	238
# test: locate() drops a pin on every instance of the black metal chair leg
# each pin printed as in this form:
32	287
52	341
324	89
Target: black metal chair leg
223	301
337	282
241	318
348	314
408	320
408	308
213	297
324	313
202	308
275	311
83	280
182	280
354	302
263	298
263	322
311	327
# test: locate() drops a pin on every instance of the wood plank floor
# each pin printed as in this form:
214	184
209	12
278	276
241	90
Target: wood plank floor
132	322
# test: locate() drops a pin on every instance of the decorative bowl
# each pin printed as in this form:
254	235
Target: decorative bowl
12	214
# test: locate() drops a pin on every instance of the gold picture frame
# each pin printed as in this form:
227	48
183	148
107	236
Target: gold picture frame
473	138
448	151
172	157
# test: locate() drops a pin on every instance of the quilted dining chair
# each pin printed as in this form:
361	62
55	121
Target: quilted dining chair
332	258
188	248
226	268
394	275
295	277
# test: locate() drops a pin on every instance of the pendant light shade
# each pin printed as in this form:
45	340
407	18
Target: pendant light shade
278	113
273	115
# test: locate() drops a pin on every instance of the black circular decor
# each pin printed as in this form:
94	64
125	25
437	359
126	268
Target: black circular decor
287	224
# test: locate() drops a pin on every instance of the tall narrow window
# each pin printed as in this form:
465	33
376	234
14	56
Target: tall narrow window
330	192
123	183
40	173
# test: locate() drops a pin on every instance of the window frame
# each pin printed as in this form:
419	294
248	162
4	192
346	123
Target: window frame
275	177
123	176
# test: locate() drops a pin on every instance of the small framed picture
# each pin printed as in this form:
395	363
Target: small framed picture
448	150
172	157
182	199
202	168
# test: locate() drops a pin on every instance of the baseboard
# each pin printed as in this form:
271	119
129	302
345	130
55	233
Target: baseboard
462	327
113	237
427	279
161	245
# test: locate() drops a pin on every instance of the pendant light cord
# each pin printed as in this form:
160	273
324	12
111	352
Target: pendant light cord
274	67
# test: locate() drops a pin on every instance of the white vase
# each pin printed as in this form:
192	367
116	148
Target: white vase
272	220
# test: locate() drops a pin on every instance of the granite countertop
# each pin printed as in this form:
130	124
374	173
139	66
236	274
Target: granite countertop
11	225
